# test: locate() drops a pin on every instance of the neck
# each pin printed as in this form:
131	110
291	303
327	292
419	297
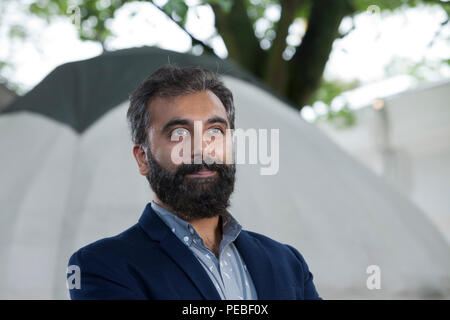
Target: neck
209	229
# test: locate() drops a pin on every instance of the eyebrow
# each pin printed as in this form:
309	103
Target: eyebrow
183	121
217	120
175	122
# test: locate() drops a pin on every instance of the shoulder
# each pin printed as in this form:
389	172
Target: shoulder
288	259
275	247
103	268
111	250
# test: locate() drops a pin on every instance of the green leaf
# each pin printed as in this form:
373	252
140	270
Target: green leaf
17	31
225	5
177	9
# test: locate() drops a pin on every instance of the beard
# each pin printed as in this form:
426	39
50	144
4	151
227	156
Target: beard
192	198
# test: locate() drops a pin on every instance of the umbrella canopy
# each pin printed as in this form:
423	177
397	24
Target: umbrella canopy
68	178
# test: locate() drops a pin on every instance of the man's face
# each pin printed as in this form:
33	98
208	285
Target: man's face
201	188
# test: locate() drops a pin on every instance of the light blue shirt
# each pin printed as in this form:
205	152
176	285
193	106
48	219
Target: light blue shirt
228	273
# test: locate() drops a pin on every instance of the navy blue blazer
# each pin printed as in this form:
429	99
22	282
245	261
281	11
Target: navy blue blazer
147	261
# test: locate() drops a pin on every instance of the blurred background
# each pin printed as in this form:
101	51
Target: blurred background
363	86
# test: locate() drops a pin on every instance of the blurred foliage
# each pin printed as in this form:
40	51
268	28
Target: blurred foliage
329	90
339	119
17	31
421	70
297	75
18	89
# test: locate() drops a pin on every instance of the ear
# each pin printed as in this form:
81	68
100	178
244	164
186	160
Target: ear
141	159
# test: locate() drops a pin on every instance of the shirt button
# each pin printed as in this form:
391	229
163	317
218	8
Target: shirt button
186	239
191	230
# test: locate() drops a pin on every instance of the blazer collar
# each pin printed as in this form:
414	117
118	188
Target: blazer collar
255	257
258	264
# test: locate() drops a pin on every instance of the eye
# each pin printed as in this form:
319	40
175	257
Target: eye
177	133
213	133
216	130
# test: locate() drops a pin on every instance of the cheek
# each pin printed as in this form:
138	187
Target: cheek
161	151
164	158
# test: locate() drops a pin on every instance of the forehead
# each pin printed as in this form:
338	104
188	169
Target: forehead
200	105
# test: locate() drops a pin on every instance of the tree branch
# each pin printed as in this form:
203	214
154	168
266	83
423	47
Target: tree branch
194	40
236	30
438	32
437	2
308	62
275	64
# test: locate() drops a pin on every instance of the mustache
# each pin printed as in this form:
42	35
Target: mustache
185	169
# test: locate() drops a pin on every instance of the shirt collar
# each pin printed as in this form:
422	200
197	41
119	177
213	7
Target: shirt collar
187	233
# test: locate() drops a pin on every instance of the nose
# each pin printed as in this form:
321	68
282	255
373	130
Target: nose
198	143
197	149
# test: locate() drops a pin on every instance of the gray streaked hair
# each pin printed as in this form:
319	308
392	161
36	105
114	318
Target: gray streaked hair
171	81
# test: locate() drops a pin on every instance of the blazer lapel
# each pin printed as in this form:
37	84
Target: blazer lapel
258	264
158	231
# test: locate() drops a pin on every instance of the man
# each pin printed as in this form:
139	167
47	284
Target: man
186	244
